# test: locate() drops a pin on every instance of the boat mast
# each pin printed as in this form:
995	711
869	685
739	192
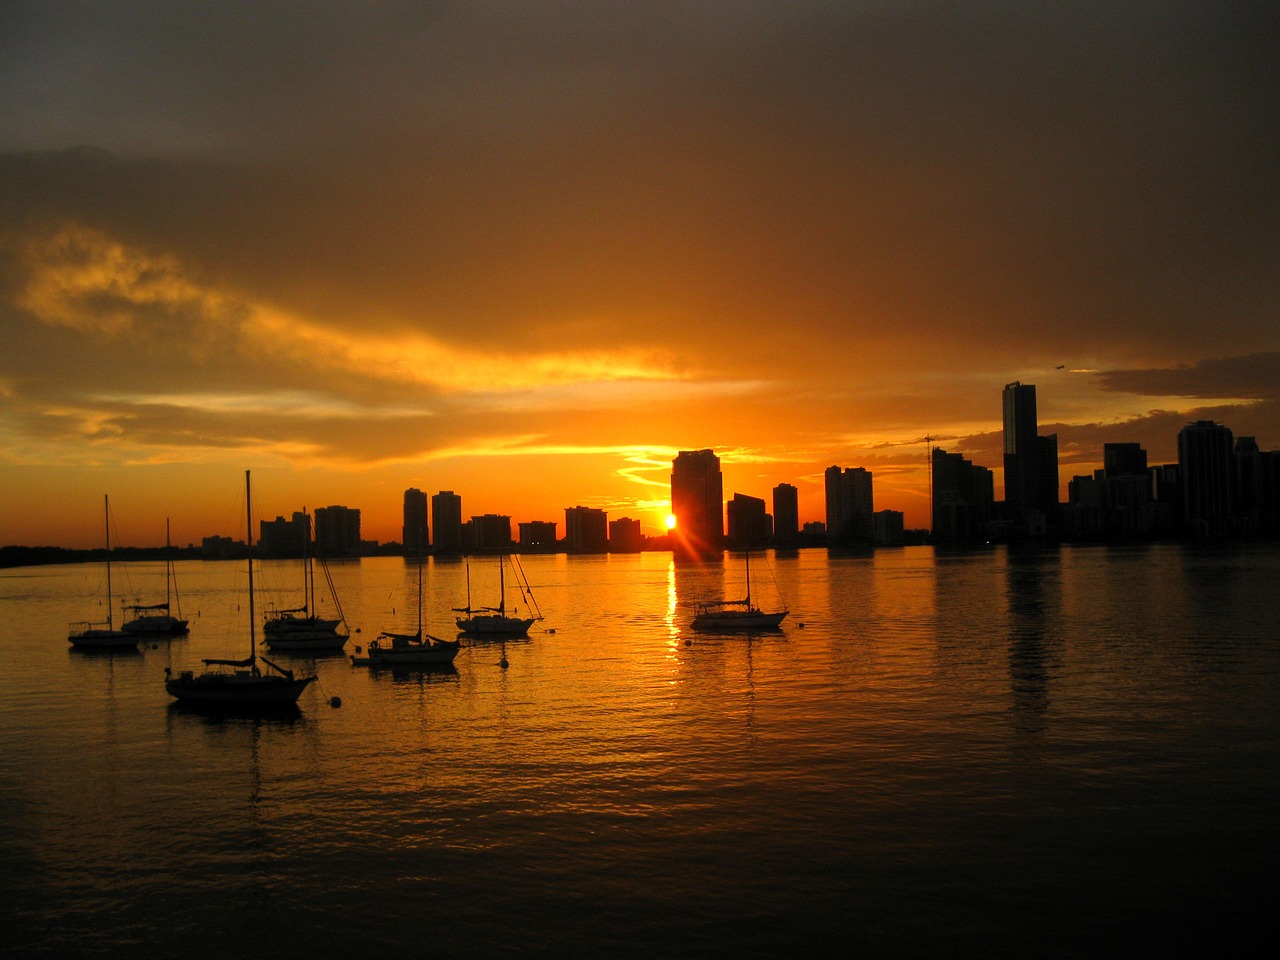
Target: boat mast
168	568
248	513
502	586
106	522
420	562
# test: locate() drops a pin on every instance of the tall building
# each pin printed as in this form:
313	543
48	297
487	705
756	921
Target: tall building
625	536
1124	460
490	533
786	516
414	534
748	523
284	538
697	502
446	520
538	536
1030	462
586	530
850	505
1207	463
1021	451
338	532
963	499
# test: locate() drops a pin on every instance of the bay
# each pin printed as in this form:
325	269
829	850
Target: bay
1059	752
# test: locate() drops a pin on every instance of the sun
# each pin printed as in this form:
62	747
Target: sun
671	521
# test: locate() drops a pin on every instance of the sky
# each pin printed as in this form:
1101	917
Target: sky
528	252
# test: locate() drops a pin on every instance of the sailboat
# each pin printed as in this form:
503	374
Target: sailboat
410	648
286	630
494	620
736	614
157	618
102	636
245	684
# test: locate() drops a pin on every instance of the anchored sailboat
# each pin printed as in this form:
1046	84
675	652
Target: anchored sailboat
410	648
736	614
102	636
494	620
157	618
302	628
245	684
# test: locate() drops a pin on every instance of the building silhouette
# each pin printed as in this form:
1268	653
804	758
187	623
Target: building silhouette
490	533
446	520
850	506
284	538
749	526
786	516
415	535
338	532
697	502
963	499
1030	463
538	536
586	530
625	536
1206	459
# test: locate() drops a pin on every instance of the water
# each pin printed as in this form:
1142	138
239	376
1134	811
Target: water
1057	753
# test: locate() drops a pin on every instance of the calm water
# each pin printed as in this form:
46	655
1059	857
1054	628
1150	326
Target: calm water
1061	753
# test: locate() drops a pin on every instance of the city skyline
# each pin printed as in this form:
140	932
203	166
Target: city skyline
531	254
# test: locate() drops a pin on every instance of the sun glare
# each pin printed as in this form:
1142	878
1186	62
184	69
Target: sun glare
671	521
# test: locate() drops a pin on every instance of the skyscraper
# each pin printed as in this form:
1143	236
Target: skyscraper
1206	459
850	505
748	523
586	530
786	515
338	532
1030	462
446	520
697	502
414	534
963	498
1021	451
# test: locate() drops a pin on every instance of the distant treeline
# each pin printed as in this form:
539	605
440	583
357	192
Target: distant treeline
37	556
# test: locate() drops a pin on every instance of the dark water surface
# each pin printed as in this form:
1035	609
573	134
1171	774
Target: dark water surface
1062	753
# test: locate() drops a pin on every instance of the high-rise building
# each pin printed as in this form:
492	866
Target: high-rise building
786	515
1206	458
697	502
338	532
1021	451
586	530
284	538
1030	462
748	523
446	520
538	536
963	498
490	533
414	534
625	536
1124	460
850	505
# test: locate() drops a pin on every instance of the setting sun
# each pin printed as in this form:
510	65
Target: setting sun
671	521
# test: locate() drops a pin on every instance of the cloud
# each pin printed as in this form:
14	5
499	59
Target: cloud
1254	376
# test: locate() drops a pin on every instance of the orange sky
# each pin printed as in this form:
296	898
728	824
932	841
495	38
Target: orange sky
529	253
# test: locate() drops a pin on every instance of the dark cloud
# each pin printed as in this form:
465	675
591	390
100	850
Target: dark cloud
1254	376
